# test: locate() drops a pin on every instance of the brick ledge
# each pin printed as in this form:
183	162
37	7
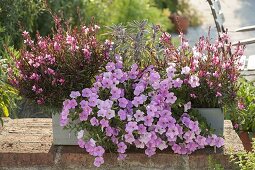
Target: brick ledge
27	143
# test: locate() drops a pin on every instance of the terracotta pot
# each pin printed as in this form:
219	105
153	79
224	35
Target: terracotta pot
181	22
244	136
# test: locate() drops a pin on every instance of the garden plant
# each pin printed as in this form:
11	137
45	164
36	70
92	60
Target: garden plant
245	160
47	69
150	107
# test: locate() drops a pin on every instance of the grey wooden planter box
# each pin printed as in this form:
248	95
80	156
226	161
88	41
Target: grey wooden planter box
214	117
60	135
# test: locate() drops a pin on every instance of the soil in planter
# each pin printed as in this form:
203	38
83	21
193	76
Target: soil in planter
244	136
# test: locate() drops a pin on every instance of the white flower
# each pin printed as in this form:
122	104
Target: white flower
194	81
80	134
187	106
185	70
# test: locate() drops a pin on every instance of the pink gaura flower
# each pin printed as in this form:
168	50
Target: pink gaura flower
218	94
86	53
194	81
185	70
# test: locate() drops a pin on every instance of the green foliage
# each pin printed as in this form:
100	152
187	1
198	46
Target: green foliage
245	160
171	5
139	42
128	10
137	39
16	16
214	164
8	94
31	15
109	12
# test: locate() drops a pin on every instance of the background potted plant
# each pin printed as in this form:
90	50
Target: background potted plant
182	14
47	69
243	114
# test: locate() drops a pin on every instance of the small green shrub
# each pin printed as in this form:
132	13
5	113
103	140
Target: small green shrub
214	164
245	160
8	94
16	15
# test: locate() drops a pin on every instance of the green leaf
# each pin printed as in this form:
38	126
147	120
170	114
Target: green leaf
1	121
5	110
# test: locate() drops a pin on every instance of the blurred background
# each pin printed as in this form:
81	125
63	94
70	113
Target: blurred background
36	15
193	17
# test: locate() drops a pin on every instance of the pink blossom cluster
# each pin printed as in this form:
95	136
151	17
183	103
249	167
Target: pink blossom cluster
49	65
216	65
136	108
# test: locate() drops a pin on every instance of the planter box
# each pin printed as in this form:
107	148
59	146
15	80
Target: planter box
214	117
60	135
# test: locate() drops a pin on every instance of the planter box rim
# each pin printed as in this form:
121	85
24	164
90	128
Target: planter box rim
207	108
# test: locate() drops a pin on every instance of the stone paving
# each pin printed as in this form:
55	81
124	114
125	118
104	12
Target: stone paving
237	13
